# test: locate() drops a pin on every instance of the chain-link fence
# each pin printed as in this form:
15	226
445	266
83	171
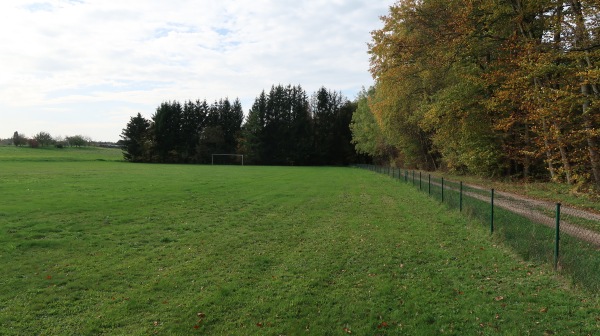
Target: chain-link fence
539	231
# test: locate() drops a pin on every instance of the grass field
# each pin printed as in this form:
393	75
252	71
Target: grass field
90	245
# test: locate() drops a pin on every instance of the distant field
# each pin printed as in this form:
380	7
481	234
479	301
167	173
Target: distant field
52	154
90	245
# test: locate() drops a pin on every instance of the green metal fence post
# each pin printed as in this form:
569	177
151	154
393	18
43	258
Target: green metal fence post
442	190
492	214
460	197
429	183
420	181
413	177
557	239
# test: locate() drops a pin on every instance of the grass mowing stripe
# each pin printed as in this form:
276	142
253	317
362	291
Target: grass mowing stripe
108	247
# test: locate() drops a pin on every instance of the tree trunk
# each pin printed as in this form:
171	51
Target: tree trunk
548	152
563	154
593	151
526	158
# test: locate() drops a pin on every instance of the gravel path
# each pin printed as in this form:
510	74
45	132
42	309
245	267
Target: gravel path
537	210
542	212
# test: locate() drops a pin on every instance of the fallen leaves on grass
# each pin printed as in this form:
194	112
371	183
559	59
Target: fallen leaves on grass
382	325
201	316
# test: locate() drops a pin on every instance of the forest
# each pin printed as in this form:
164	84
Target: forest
491	88
284	127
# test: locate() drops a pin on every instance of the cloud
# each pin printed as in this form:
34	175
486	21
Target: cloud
95	57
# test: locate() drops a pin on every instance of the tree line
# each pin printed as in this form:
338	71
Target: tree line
284	127
44	139
497	88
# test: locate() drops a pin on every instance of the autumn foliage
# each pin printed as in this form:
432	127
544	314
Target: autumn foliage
497	88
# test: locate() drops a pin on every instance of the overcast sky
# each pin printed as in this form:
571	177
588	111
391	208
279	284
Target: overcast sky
71	67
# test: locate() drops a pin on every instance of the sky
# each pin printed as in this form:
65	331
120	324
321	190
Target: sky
85	67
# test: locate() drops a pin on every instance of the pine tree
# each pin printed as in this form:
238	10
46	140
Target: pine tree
135	139
167	125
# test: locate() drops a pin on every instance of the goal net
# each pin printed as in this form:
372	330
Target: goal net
227	159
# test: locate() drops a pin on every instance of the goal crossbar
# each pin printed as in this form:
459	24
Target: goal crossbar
212	157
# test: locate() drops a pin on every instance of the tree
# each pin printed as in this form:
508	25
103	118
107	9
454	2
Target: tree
167	126
194	120
344	153
253	131
18	139
77	140
331	113
212	141
220	129
44	139
367	136
301	128
491	87
134	139
278	127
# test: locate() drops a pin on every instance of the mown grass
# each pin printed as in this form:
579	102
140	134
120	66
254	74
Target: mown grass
578	260
97	247
53	154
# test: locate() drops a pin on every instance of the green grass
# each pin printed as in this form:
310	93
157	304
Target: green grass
93	247
532	241
53	154
549	191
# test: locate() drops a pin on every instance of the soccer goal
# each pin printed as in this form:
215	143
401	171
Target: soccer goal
227	159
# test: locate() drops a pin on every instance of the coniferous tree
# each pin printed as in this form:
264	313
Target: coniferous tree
300	127
193	122
279	130
134	139
326	110
344	152
167	132
253	131
275	140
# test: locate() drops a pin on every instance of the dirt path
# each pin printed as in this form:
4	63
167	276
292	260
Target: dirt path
537	211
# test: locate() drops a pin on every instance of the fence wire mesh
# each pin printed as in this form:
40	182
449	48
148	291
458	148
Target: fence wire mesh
539	231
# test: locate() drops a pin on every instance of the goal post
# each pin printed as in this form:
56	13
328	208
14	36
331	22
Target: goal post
212	157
